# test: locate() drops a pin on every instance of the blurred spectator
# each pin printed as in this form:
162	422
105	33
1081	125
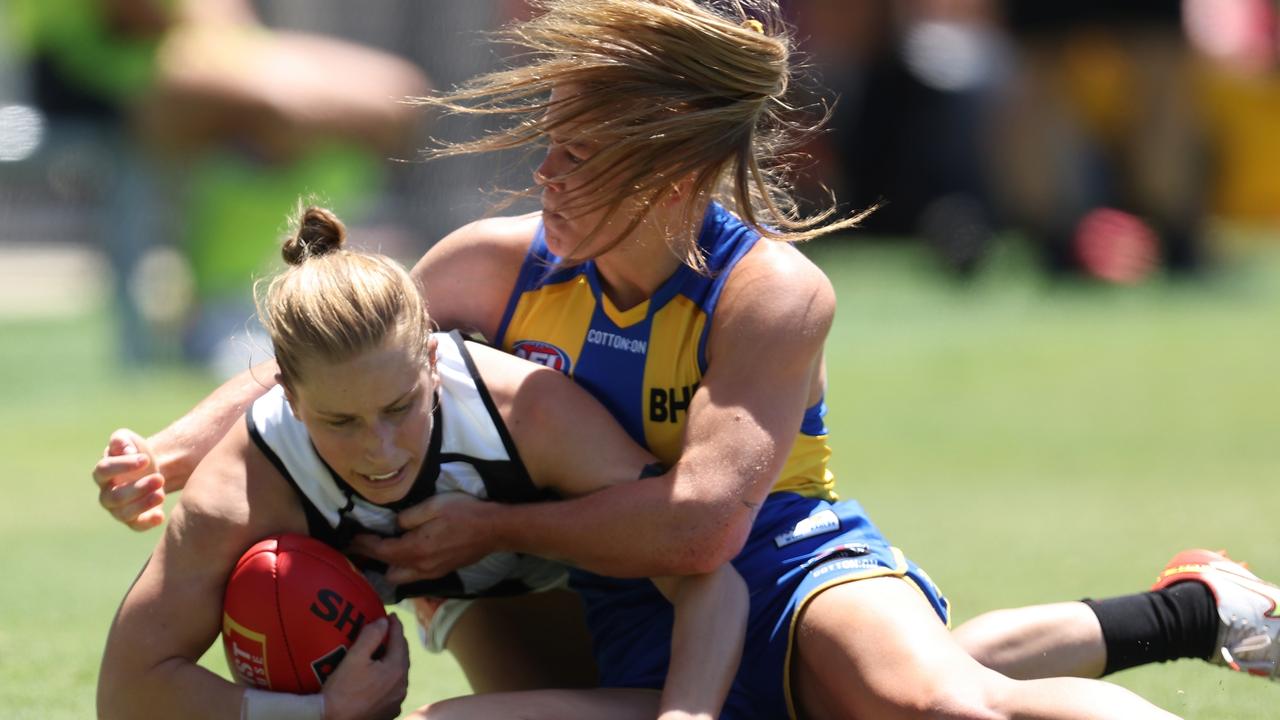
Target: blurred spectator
204	110
1103	153
1074	123
1239	86
915	81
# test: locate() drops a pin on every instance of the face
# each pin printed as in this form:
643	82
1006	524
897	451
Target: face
567	231
369	417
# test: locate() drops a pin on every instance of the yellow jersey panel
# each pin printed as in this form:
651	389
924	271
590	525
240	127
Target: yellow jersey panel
644	364
672	376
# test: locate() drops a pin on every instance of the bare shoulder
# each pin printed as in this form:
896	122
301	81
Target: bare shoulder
469	274
775	287
483	239
782	263
238	489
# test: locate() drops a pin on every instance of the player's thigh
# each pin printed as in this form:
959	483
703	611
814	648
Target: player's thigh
526	642
876	649
614	704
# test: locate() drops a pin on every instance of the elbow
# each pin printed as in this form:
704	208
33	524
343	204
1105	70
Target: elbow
702	565
109	695
110	700
127	691
725	547
117	696
714	540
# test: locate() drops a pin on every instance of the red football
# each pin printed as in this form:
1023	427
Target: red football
292	608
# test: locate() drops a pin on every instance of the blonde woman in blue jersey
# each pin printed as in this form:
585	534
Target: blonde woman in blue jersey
660	276
374	411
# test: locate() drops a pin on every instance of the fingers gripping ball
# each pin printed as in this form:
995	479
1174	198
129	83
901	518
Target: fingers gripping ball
292	608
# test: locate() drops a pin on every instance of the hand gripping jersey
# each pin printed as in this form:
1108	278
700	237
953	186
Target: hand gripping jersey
470	451
644	364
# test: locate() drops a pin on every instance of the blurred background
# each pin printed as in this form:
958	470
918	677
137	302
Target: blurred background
1055	357
161	142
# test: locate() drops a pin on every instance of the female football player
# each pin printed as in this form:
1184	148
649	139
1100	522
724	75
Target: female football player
659	276
373	412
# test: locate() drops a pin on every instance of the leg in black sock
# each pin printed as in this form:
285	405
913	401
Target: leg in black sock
1179	621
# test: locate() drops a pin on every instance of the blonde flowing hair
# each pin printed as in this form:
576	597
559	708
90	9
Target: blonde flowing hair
668	89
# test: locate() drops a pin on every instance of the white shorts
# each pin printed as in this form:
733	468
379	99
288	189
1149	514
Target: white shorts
437	616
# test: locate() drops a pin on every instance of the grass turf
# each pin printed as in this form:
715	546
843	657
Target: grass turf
1024	441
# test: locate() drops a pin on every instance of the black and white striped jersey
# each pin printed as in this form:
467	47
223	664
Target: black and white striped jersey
470	451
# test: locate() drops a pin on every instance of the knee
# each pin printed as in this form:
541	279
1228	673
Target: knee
985	638
960	698
951	700
453	709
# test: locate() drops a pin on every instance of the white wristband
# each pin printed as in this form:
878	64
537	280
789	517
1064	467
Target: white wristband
263	705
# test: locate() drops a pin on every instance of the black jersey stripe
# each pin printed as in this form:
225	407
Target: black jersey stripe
514	484
317	525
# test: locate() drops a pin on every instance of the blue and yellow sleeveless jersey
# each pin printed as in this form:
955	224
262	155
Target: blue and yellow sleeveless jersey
644	363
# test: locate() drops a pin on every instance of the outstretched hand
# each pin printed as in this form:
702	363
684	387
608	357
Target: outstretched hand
441	534
128	485
367	688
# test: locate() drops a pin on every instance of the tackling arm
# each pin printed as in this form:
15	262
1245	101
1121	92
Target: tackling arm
185	442
134	474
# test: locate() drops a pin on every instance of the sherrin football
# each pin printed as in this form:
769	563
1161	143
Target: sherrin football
293	606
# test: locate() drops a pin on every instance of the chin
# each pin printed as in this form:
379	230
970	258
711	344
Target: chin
384	496
555	244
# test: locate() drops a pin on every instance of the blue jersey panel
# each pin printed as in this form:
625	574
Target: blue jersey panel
798	546
611	367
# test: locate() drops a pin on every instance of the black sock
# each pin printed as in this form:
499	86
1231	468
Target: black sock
1180	621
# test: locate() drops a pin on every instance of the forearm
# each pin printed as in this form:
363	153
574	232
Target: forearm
181	446
173	688
646	528
706	644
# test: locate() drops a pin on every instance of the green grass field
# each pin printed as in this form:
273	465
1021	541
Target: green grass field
1023	441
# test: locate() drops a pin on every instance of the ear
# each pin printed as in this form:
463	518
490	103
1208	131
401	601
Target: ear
432	345
288	394
681	190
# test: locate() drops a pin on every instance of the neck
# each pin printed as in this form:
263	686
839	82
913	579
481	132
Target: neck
629	279
634	270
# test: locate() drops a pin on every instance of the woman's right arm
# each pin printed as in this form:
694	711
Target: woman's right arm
173	611
467	275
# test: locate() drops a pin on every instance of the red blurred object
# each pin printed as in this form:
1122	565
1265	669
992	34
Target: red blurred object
1243	34
1116	246
292	608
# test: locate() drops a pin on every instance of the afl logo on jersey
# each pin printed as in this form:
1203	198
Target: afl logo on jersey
543	354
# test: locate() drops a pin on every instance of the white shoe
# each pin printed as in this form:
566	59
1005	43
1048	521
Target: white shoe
1249	607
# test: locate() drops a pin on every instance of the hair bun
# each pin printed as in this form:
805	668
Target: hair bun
319	233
